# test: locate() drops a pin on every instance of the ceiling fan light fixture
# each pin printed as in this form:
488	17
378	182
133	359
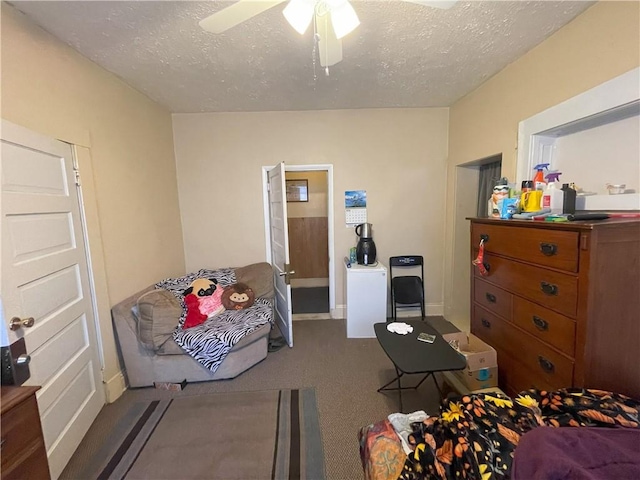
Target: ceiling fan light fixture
344	19
299	14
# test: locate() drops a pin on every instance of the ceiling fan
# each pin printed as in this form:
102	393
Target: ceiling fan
333	19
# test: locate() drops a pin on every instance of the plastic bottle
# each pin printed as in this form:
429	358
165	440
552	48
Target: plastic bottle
500	191
538	179
569	200
553	197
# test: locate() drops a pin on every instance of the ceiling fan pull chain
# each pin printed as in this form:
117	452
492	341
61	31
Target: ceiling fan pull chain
316	39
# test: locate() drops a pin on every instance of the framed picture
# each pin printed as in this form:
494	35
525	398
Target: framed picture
297	190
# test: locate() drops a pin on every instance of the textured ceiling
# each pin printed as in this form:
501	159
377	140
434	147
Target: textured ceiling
402	55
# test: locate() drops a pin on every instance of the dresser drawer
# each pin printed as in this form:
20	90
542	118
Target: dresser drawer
21	433
544	364
552	248
555	290
492	298
32	465
489	327
548	326
515	377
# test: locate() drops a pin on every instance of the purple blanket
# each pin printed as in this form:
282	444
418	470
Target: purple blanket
577	454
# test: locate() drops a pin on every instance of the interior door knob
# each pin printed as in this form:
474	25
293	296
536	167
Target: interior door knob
23	359
17	322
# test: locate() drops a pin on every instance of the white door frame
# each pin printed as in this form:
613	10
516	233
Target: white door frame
92	283
330	220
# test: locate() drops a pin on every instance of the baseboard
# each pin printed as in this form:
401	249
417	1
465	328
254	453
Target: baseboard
431	310
115	387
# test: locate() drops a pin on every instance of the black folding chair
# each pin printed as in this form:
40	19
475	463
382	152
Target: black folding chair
407	291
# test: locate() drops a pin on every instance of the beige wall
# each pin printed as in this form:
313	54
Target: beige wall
600	44
126	159
317	192
397	155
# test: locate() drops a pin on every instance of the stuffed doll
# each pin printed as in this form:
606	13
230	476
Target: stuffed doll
237	297
203	300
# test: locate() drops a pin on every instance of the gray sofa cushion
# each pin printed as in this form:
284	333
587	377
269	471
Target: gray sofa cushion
158	315
259	277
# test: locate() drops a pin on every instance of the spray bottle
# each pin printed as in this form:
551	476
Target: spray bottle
553	197
538	179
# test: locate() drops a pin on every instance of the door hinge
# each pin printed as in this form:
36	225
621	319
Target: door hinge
76	172
268	186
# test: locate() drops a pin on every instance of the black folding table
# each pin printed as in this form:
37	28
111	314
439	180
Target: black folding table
411	356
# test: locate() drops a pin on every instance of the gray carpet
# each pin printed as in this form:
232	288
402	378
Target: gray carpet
344	372
310	299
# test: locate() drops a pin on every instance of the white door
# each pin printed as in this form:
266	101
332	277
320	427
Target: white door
280	250
45	276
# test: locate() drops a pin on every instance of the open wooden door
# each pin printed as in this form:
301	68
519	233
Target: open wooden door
279	233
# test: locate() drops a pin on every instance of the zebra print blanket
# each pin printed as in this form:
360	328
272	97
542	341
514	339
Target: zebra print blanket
210	342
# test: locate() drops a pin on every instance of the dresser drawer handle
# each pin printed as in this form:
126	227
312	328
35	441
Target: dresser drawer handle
540	324
491	298
548	249
546	365
484	237
549	288
485	323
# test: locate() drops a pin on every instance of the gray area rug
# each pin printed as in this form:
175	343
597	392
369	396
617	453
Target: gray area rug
271	434
310	299
344	373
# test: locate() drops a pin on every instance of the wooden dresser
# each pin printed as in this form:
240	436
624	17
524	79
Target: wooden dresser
560	302
23	452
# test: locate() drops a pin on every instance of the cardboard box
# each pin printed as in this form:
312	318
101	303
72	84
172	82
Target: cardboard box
482	361
478	379
172	387
478	354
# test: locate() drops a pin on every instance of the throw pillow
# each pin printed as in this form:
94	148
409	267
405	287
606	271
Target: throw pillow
159	312
237	297
259	277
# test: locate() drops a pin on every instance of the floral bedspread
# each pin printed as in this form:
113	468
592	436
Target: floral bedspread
475	436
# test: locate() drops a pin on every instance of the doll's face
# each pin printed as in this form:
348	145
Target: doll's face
500	192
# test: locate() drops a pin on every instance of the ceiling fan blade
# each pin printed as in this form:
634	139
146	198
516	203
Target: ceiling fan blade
237	13
329	46
444	4
299	14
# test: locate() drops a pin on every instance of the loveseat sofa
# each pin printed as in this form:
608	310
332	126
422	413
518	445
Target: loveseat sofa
146	344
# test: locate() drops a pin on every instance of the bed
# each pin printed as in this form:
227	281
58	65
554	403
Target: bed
567	433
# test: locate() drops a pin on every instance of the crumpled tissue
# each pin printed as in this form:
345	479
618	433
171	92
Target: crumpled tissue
400	328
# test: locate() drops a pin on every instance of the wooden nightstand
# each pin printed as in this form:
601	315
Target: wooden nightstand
23	452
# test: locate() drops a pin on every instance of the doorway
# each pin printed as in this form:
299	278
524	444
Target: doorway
310	228
307	218
473	185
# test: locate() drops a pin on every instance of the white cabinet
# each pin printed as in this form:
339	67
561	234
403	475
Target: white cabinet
366	295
